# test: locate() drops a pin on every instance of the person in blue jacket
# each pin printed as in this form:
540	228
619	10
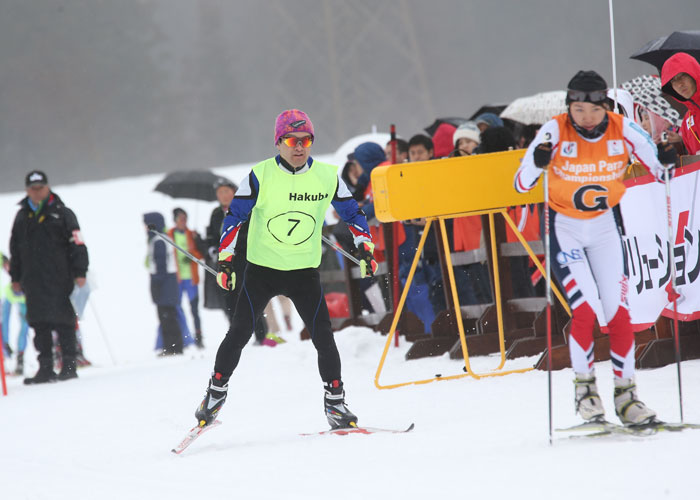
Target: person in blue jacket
164	289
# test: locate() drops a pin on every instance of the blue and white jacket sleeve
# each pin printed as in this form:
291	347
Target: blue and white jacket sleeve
528	173
239	211
350	212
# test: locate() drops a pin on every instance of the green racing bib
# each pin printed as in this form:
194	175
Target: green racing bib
287	219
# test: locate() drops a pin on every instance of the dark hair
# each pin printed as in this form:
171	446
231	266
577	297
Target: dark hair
401	145
495	139
177	211
421	140
528	133
345	175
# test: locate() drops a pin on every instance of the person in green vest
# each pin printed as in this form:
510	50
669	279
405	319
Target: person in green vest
12	299
286	198
188	270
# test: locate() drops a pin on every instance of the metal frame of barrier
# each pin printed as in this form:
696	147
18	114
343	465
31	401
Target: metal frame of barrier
497	372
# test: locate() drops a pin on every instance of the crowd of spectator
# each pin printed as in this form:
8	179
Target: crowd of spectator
488	133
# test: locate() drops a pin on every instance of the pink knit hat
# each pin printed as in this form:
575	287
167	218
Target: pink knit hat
292	120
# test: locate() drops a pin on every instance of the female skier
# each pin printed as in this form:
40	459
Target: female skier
586	152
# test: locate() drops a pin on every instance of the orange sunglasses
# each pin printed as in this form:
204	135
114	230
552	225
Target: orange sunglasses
292	141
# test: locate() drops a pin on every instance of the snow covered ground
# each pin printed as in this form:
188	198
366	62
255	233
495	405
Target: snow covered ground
108	434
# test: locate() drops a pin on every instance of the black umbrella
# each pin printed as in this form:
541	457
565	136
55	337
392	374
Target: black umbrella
431	129
193	184
496	109
657	51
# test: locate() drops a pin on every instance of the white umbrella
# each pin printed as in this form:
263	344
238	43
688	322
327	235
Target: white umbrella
646	91
536	109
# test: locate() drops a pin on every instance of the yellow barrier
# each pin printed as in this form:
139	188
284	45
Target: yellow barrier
449	188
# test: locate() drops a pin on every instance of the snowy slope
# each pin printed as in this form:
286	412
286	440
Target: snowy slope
108	434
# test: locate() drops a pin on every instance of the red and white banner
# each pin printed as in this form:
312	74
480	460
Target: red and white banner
650	257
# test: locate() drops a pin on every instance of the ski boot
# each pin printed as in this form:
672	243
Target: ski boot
588	402
80	358
213	400
337	413
69	370
198	339
43	376
628	408
19	366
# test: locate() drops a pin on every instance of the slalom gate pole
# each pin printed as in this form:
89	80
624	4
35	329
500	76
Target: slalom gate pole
669	218
548	267
395	241
612	51
339	250
170	242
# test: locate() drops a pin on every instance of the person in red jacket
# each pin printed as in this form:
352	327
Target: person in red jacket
187	270
679	78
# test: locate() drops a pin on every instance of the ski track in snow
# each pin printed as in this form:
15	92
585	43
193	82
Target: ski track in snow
108	434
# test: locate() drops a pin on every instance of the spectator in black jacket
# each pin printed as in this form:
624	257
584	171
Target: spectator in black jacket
214	296
47	259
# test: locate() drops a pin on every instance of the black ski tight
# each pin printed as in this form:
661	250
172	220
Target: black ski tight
303	287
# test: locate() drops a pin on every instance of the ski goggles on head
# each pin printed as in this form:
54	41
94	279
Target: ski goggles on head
292	141
593	96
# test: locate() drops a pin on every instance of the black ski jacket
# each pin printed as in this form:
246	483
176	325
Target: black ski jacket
46	255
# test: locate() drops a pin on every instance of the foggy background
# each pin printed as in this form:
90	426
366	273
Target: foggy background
96	89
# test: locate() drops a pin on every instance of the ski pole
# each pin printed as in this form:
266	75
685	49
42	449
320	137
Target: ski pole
170	242
339	250
669	218
166	239
612	52
548	288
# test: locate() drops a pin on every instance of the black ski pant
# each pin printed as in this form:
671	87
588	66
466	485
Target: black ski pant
303	287
170	329
239	267
43	343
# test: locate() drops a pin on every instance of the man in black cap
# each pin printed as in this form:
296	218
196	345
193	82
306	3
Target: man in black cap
47	259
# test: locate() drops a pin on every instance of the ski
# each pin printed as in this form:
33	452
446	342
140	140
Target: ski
596	428
360	430
193	434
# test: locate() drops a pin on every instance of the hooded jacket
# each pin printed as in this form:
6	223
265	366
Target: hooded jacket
369	155
47	254
442	140
164	290
690	128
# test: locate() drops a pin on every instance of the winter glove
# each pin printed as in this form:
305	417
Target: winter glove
226	277
667	154
542	154
368	266
661	174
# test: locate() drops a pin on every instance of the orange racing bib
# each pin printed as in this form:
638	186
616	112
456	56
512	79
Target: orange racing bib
586	177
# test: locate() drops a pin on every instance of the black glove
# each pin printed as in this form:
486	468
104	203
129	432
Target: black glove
667	154
542	154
